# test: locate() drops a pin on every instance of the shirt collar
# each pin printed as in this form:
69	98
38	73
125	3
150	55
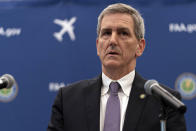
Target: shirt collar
125	82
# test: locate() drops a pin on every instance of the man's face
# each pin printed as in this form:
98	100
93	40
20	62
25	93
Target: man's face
117	45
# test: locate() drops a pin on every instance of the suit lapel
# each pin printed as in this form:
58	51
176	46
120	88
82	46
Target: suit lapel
92	96
135	105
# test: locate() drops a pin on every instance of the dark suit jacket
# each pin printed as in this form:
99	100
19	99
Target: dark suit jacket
77	108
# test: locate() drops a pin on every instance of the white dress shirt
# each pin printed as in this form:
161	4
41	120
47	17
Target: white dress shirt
126	85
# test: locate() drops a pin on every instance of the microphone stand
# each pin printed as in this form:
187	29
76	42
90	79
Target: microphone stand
163	117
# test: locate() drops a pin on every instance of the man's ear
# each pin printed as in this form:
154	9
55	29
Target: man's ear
97	42
140	48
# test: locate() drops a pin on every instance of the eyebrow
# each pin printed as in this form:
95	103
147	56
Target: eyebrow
123	29
119	28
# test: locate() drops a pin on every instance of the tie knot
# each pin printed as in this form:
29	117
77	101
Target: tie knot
114	87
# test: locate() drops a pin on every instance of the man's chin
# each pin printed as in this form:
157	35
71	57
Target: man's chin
112	64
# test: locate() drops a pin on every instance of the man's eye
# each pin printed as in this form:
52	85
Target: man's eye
106	33
124	33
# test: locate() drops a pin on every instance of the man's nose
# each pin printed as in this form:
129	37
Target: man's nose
113	38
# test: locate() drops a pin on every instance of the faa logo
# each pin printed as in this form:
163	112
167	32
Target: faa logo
8	94
186	85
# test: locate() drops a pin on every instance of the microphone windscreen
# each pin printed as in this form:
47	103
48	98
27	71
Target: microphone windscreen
10	80
148	85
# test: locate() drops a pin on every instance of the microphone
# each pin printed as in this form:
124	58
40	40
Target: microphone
6	81
153	88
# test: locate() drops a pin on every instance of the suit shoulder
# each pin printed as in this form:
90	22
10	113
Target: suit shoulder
172	91
80	85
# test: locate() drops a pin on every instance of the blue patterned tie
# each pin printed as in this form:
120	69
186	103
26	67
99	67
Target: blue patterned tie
112	115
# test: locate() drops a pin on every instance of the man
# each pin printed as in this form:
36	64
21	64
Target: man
116	100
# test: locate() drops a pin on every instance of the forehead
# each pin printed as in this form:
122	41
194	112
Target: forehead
117	20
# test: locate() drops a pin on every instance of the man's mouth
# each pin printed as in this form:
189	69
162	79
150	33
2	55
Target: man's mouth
113	53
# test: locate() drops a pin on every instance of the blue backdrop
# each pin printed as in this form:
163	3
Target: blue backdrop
42	62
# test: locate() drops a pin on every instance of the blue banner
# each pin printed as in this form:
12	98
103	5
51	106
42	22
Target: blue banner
46	45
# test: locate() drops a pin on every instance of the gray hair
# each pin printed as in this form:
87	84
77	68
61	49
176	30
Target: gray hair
139	28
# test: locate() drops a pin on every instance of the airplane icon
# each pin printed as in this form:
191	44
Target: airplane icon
67	26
